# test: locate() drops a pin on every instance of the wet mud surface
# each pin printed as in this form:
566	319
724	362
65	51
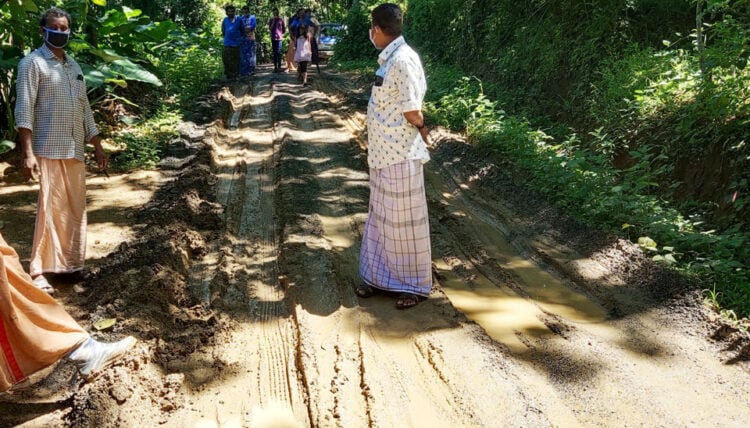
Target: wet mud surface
235	265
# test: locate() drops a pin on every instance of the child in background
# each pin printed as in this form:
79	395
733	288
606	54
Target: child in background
303	55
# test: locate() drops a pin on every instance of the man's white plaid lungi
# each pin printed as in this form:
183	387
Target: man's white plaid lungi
395	254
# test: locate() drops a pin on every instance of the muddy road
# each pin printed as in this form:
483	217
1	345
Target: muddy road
235	266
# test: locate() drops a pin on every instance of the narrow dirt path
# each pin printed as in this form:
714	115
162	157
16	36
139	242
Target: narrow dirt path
240	286
240	275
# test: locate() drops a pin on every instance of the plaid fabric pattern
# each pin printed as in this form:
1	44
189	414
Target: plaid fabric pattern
391	138
395	253
52	102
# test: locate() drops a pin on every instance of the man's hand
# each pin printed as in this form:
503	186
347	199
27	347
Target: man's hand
102	161
416	119
425	135
30	167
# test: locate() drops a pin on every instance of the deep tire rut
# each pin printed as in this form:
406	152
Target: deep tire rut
259	344
506	339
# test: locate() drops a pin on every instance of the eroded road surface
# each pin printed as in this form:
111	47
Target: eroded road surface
238	278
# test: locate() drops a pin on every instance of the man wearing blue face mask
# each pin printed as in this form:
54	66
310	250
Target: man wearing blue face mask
395	255
54	121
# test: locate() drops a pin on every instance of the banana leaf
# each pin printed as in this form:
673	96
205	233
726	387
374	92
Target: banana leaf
132	71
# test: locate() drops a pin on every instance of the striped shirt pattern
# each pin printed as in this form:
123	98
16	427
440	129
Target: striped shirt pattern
391	138
395	253
52	102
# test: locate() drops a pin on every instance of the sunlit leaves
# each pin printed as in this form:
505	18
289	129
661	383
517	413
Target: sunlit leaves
131	71
19	8
6	145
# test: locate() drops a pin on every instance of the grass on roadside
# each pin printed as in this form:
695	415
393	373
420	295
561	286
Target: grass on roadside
188	68
142	144
582	182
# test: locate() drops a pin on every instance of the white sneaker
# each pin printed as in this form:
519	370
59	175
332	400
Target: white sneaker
92	356
41	283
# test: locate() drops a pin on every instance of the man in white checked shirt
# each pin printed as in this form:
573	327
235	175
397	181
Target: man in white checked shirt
395	254
54	120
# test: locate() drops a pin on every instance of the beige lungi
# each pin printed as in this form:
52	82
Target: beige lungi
35	332
60	232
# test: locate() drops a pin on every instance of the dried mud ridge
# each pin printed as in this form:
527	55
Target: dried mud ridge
240	289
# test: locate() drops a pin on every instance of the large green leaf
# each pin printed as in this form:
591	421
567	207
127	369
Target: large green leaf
111	19
9	57
131	13
19	8
101	3
6	146
107	55
95	77
157	31
131	71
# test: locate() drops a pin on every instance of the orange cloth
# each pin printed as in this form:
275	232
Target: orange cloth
291	65
60	232
35	331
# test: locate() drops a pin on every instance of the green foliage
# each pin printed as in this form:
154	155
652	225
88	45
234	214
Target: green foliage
544	54
650	117
463	105
193	14
581	181
106	44
189	65
362	66
355	44
142	144
6	146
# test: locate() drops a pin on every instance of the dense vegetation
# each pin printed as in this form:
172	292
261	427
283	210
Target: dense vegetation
144	61
629	114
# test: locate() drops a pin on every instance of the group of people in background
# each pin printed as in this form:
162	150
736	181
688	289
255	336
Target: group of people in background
238	32
239	55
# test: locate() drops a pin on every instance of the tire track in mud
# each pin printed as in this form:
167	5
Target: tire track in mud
366	363
241	277
560	343
602	366
506	339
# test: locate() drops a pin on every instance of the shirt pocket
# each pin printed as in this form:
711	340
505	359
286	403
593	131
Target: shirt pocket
80	90
379	97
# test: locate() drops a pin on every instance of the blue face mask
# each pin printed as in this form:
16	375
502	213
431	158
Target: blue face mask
57	39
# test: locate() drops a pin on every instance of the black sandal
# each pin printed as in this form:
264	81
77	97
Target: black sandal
364	291
407	300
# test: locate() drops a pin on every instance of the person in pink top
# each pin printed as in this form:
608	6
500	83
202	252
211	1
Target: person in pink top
303	53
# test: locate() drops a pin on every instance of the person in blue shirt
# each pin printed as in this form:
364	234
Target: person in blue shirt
247	46
231	30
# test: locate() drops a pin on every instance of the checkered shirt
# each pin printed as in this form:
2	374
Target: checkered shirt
52	103
391	138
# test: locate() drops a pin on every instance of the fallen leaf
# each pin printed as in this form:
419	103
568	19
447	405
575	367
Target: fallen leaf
105	324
